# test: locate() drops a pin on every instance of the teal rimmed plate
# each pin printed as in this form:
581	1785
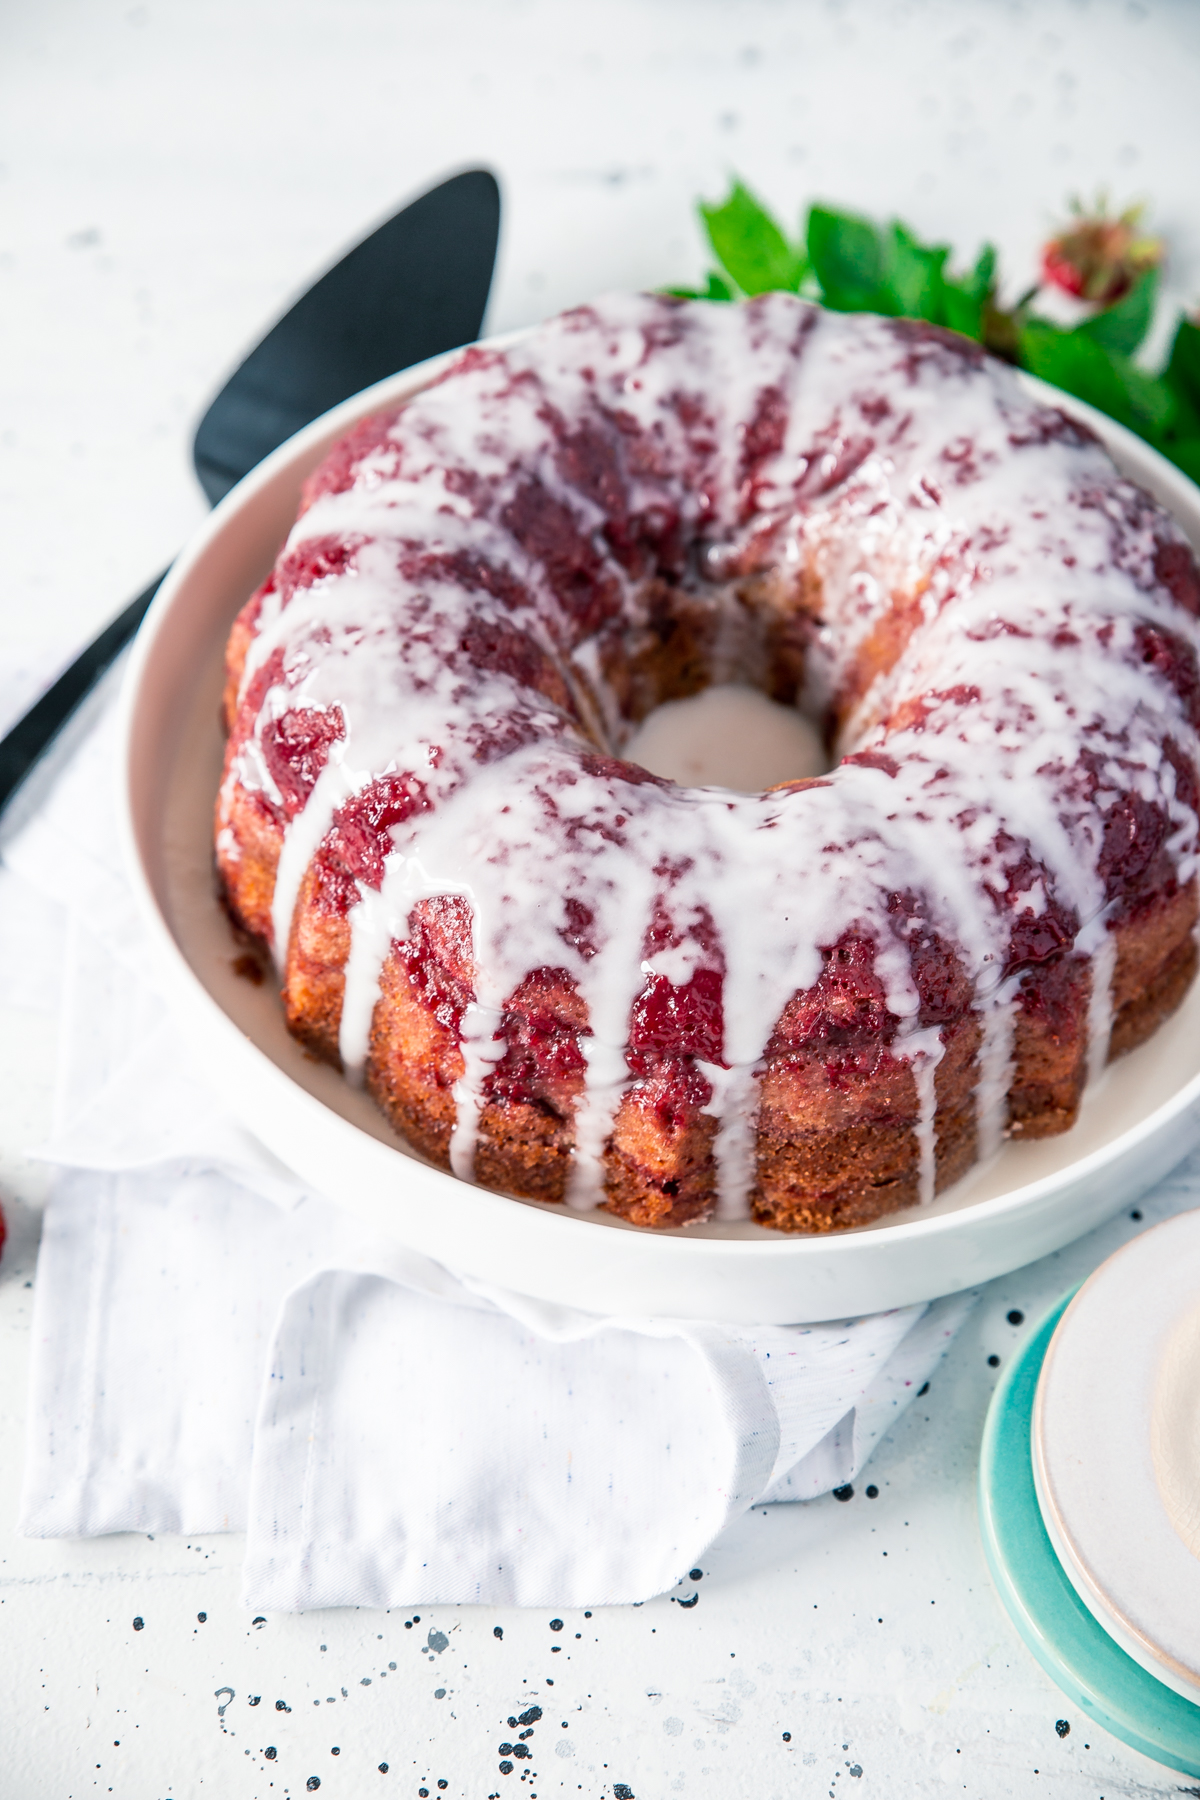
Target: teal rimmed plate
1077	1654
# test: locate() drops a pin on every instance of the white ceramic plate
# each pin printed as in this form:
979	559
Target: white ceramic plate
1094	1468
1034	1198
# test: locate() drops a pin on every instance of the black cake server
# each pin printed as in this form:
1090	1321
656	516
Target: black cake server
416	286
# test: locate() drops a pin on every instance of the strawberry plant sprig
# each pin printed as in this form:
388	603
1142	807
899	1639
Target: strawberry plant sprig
850	264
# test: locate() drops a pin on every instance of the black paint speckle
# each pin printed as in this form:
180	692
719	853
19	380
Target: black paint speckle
443	1784
139	1624
1136	1214
922	1391
282	1706
202	1617
845	1492
497	1631
872	1492
336	1750
787	1737
695	1574
383	1768
313	1783
1016	1316
621	1791
530	1716
506	1767
270	1753
253	1699
1062	1726
439	1693
259	1621
993	1362
437	1640
556	1624
689	1603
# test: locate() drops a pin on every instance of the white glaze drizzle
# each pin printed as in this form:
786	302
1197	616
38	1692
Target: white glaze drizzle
1099	945
994	1063
1041	631
925	1050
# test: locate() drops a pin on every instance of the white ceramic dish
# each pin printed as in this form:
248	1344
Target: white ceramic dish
1034	1198
1093	1462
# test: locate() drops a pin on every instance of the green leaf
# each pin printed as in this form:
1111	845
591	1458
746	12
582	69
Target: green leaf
750	246
715	290
1181	441
1151	402
913	275
1122	327
965	300
1074	361
1185	454
848	256
1183	364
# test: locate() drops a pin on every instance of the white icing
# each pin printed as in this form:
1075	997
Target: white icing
1098	943
734	1104
1028	586
482	1047
925	1050
994	1066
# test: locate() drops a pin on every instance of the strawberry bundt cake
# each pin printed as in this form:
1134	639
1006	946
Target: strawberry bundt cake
566	978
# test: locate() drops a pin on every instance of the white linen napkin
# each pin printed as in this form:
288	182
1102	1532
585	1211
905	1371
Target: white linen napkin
217	1349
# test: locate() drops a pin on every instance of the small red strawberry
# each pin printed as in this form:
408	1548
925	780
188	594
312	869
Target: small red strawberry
1098	258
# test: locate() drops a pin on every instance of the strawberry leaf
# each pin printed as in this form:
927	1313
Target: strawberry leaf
1183	364
1185	454
1122	327
750	246
964	301
848	256
1074	361
716	289
913	276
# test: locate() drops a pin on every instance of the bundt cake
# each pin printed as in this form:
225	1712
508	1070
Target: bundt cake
566	978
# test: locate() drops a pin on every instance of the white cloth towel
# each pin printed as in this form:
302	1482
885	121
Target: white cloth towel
216	1349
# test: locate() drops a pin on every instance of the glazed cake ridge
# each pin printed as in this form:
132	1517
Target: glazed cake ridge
566	977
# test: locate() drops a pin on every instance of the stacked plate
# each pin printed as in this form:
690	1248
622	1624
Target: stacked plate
1090	1493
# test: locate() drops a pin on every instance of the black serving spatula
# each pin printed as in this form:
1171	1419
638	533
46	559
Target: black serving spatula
417	286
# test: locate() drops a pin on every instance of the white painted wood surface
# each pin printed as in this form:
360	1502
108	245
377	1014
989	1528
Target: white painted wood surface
170	174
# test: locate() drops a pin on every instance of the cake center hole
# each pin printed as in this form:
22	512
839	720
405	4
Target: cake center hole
729	736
